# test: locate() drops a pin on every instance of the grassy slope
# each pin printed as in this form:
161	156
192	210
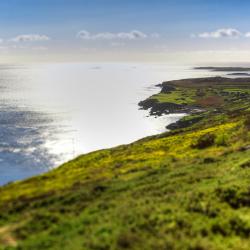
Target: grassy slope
187	189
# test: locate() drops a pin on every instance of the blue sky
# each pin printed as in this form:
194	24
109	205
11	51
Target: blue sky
123	29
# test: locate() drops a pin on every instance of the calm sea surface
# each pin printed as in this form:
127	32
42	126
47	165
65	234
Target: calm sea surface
52	113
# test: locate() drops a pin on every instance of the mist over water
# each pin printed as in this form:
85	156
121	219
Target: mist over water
52	113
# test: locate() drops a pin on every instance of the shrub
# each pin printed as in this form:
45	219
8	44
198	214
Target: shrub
247	122
205	141
127	240
240	227
245	164
221	140
234	196
208	160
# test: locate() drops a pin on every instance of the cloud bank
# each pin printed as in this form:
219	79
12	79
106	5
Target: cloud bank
30	38
223	33
227	33
247	34
132	35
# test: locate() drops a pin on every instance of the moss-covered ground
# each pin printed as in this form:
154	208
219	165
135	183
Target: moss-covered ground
184	189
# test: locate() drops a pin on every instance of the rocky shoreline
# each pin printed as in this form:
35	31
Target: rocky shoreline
159	109
164	108
195	97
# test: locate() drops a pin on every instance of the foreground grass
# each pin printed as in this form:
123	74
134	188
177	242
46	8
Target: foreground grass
186	189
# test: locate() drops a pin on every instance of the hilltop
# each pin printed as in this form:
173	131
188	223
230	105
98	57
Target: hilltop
184	189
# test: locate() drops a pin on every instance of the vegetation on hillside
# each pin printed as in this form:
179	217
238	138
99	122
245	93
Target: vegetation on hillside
184	189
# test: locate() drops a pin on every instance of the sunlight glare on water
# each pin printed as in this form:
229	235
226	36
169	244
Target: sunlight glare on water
54	112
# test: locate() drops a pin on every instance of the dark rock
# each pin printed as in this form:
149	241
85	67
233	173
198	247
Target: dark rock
184	123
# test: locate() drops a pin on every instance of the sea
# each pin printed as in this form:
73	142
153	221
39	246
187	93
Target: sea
51	113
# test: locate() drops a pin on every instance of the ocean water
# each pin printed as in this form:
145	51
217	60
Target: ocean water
50	113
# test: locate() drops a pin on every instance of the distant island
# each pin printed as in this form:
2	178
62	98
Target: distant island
227	69
239	74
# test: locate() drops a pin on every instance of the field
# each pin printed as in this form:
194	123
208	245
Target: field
184	189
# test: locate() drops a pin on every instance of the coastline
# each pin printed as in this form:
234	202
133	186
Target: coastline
157	108
41	129
204	101
163	186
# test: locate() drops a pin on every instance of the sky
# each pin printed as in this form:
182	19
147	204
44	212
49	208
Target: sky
125	30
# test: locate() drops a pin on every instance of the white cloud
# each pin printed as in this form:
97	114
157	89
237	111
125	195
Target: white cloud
227	33
132	35
83	34
30	38
105	36
247	34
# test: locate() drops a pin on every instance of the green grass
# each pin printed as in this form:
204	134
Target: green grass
237	90
180	96
188	189
155	193
217	92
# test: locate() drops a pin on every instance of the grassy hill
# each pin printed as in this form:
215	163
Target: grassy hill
184	189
